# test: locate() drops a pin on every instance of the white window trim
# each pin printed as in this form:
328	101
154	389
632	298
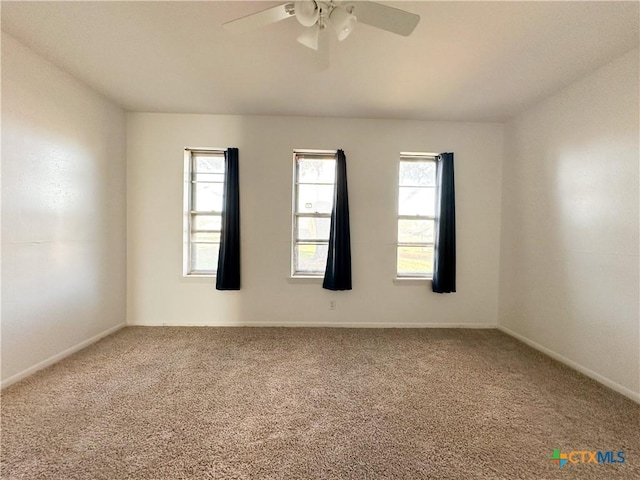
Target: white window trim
407	279
295	276
305	280
187	212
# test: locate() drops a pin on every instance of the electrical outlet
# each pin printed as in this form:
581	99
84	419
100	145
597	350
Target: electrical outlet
332	305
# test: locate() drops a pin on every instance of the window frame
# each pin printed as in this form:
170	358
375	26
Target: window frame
189	214
415	157
295	215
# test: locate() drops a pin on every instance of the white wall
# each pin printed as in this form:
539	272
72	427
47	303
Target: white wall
570	249
158	294
63	213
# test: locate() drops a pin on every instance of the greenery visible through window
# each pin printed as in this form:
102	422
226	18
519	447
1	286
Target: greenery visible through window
314	179
416	215
204	186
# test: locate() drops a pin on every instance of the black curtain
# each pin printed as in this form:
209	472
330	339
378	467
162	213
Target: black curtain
337	275
444	270
228	276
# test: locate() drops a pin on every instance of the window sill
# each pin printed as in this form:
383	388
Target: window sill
305	280
199	275
411	281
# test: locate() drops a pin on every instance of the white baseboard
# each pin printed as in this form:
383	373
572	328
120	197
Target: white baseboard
635	396
317	325
56	358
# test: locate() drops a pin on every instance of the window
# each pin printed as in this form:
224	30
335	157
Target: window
416	215
314	179
203	191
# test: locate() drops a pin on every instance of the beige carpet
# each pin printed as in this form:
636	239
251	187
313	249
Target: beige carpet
269	403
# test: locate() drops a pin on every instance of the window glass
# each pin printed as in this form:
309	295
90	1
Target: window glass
416	215
314	179
204	187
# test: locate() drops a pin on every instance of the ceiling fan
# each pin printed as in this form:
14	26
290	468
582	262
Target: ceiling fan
316	15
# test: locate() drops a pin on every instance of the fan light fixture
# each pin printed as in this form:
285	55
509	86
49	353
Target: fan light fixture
307	12
309	38
342	22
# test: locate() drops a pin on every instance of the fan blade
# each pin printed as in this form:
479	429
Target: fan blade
390	19
260	19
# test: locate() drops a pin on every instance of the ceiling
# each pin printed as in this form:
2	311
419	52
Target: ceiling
466	61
